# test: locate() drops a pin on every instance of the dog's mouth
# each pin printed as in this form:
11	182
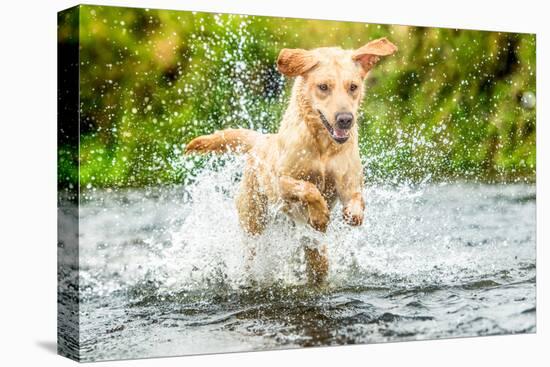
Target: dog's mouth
337	134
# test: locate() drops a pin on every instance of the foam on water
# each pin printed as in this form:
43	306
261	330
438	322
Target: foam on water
188	240
164	271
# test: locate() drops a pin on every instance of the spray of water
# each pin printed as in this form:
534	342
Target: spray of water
187	240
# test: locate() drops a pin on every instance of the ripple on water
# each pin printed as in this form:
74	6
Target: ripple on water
163	271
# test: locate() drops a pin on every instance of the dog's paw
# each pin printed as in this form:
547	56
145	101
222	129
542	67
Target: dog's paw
319	215
353	217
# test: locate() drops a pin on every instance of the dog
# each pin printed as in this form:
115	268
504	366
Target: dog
313	160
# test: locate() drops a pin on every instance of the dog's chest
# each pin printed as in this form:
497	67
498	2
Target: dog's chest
308	165
319	175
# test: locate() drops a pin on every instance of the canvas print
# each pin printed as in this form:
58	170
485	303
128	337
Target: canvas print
232	183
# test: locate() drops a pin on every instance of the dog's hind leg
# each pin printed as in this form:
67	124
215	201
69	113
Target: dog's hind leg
252	210
251	204
316	262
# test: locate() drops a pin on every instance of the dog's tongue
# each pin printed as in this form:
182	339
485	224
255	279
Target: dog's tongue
341	133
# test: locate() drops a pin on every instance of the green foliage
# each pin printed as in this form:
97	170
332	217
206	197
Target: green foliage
447	105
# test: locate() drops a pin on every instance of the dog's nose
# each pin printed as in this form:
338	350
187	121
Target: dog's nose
344	120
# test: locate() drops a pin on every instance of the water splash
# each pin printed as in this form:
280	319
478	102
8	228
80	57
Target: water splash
187	240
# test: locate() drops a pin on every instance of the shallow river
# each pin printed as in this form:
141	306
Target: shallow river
162	271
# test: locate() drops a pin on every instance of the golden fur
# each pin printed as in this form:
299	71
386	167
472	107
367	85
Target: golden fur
308	164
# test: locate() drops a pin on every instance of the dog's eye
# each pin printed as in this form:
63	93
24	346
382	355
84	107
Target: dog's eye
353	87
323	87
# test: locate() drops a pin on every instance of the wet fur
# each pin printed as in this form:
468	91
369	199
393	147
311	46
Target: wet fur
301	167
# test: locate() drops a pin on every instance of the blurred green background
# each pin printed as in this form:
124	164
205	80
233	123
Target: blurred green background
450	105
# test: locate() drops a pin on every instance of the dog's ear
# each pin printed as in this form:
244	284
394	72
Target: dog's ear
370	54
294	62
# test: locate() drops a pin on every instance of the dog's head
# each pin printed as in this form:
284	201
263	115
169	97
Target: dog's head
332	81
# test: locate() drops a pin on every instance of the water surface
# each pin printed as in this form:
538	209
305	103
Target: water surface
162	271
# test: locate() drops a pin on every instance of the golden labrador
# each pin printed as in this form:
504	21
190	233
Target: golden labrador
313	160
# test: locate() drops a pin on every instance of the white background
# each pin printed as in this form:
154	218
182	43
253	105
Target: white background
28	180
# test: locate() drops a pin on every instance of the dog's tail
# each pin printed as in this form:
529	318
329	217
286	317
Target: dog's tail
229	140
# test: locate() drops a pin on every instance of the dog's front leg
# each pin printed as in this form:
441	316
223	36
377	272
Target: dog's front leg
306	193
354	208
